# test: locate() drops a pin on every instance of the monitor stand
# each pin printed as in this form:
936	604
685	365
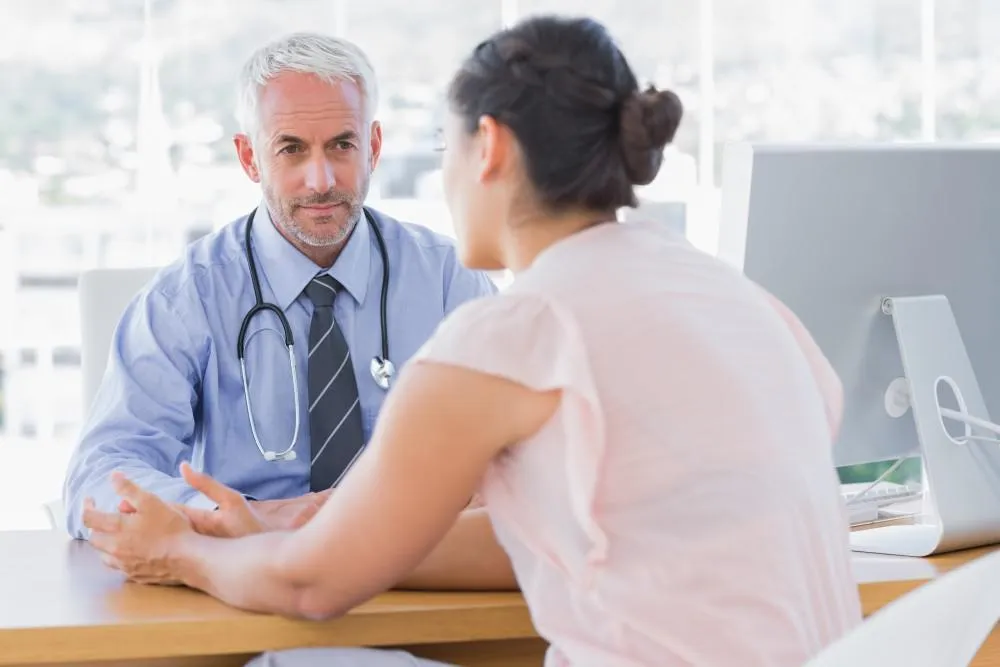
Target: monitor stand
961	506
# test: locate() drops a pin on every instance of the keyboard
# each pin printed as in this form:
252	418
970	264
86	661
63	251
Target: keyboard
867	508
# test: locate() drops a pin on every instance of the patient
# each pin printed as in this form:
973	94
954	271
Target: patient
650	432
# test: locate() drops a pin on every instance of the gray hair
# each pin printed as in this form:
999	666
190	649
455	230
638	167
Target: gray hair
330	58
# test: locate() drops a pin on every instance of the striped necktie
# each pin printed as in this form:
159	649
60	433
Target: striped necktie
335	428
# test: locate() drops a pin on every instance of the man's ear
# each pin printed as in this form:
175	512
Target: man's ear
376	144
247	158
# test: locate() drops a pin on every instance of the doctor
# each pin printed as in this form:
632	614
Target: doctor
264	354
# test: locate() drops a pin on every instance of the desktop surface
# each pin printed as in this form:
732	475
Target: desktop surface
60	604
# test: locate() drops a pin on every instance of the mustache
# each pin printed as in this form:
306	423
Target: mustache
326	198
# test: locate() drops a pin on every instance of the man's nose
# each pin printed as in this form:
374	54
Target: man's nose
319	176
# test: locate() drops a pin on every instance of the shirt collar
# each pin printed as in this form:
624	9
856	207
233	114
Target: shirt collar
288	271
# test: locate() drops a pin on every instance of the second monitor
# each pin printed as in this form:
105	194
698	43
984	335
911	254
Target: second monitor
832	231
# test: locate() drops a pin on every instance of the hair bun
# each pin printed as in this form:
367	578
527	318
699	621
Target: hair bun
648	121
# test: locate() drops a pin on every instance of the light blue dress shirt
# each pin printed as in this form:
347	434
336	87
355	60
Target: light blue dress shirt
173	391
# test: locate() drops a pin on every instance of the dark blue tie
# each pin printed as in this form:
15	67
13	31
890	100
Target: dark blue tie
335	429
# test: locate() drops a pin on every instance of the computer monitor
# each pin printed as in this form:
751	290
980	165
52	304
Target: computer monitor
671	215
862	243
832	230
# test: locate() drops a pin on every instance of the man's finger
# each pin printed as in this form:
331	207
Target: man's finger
111	561
106	543
130	491
126	507
104	522
217	491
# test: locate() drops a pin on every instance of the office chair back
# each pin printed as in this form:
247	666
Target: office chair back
941	624
104	294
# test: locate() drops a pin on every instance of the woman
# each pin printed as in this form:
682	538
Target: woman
649	431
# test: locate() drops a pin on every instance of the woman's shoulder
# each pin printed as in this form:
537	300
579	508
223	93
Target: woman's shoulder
520	333
520	305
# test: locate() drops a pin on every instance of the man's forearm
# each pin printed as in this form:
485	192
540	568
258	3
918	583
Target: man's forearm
468	558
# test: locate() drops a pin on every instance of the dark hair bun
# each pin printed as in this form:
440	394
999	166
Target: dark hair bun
648	122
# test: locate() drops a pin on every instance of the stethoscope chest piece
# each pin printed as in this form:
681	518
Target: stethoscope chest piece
382	371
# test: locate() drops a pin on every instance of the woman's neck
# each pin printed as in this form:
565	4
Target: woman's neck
528	237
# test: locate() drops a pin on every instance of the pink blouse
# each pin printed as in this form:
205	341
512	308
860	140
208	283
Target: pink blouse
681	507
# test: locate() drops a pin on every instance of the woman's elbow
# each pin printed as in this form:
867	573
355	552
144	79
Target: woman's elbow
307	595
314	604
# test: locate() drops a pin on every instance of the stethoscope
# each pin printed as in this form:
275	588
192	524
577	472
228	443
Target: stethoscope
381	368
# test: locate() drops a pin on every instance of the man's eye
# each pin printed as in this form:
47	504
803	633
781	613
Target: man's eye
291	148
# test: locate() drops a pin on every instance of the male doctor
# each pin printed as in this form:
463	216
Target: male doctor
174	390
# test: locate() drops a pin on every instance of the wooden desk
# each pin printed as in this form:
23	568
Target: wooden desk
882	579
60	605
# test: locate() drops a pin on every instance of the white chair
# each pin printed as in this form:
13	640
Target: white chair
103	297
56	513
941	624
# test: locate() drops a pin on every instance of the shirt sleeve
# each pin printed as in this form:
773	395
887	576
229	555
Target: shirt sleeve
531	340
142	421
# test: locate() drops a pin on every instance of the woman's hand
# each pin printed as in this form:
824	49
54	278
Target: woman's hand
143	543
234	515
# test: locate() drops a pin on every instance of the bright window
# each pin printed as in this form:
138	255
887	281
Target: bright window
117	124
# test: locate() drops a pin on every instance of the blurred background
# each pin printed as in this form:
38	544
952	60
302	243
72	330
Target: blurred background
116	124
